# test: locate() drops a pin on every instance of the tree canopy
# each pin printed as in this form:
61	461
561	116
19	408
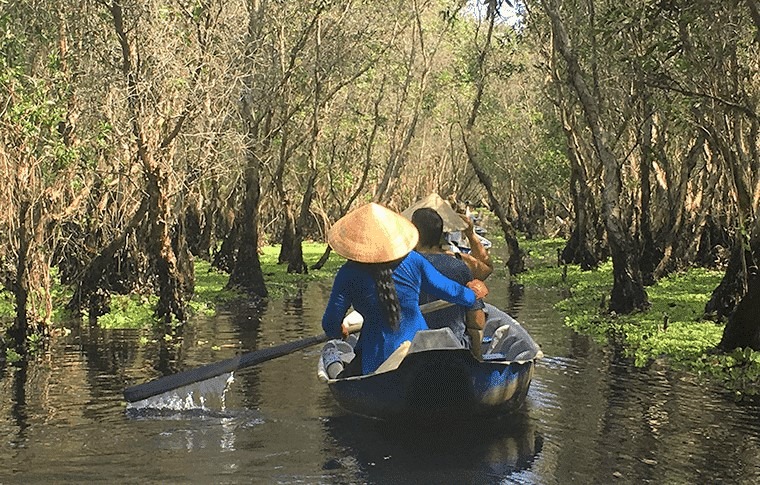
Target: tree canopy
139	135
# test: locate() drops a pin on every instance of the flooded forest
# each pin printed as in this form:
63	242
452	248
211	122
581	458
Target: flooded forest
140	136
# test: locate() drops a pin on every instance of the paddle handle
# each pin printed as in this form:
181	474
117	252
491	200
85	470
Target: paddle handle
197	374
435	306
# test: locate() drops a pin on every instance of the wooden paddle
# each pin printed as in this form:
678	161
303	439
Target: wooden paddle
168	383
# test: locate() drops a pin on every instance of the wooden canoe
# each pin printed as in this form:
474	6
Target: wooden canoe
439	380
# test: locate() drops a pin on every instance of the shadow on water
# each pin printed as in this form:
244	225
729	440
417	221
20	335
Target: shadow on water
464	452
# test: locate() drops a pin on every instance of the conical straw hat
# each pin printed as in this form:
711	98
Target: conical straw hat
451	220
373	234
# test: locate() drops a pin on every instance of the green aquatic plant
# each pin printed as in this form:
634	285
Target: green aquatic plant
137	310
11	356
541	252
280	283
672	329
130	311
210	289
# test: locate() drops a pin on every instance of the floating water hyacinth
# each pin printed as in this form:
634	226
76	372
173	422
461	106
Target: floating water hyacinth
198	396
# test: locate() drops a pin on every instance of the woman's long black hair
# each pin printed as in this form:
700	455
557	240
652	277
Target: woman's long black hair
382	273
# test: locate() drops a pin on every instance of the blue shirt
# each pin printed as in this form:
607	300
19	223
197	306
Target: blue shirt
453	317
355	286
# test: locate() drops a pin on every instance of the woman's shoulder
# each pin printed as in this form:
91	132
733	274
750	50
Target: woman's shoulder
348	270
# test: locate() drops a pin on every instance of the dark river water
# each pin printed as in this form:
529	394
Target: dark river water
590	417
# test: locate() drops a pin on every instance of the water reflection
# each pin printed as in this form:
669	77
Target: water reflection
198	429
18	408
591	417
466	452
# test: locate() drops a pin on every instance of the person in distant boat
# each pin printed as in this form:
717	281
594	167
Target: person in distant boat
477	259
458	318
382	280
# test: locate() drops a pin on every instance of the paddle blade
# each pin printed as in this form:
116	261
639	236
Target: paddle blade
173	381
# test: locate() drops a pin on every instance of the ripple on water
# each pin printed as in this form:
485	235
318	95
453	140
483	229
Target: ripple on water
198	396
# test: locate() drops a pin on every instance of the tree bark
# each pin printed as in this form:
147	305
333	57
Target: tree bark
247	273
746	248
675	245
743	327
20	328
516	259
171	300
171	297
628	293
578	249
296	263
650	254
287	241
727	295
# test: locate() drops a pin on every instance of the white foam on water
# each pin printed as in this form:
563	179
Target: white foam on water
204	396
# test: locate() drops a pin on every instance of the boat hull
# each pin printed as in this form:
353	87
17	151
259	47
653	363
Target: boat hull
441	384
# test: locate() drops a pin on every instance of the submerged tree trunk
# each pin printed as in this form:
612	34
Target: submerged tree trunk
288	236
171	295
224	258
194	226
743	327
578	249
198	222
185	263
676	245
20	328
746	250
628	293
246	272
287	241
171	299
296	263
726	296
516	259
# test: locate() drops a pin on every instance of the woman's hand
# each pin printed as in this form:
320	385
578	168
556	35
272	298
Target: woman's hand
480	288
351	323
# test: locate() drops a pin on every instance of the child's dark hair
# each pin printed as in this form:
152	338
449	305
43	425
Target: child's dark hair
430	226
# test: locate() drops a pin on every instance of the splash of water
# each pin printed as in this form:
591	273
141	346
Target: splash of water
199	396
